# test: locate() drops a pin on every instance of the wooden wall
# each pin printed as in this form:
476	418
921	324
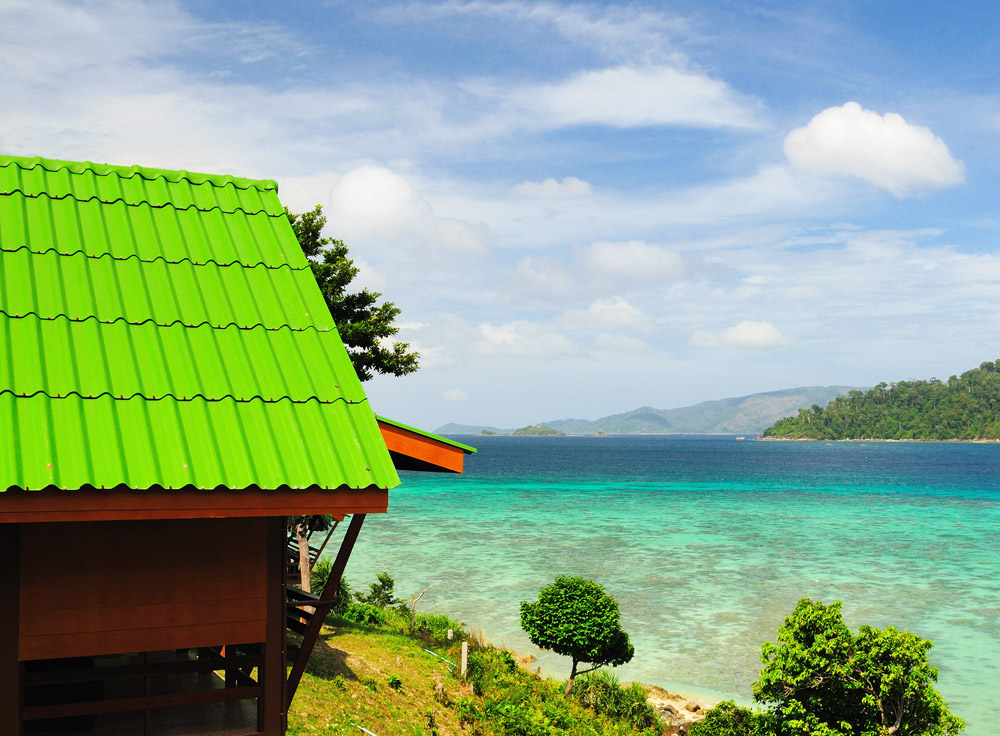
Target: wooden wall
91	588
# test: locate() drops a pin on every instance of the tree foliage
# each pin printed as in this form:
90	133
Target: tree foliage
320	574
819	679
964	407
729	719
364	324
381	593
576	618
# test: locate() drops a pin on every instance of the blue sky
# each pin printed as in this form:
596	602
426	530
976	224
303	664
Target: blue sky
580	208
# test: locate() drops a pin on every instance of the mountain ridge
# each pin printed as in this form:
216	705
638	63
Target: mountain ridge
750	414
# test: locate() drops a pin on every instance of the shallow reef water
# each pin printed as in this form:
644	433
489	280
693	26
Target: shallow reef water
707	543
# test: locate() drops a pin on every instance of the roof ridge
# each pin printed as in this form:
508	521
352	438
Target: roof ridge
113	257
174	176
210	399
95	197
226	326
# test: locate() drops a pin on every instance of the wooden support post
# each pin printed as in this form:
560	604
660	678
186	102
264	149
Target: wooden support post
329	591
10	610
147	715
465	657
272	706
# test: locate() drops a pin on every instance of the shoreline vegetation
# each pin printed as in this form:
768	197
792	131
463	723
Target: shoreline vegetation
380	663
975	441
382	667
964	408
378	675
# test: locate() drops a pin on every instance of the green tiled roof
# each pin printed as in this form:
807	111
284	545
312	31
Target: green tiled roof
162	328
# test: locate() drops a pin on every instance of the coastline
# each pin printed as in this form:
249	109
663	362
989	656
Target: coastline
978	441
679	711
676	710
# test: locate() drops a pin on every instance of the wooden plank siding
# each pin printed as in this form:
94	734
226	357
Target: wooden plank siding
91	588
116	504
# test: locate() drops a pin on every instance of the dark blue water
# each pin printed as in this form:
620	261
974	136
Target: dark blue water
707	543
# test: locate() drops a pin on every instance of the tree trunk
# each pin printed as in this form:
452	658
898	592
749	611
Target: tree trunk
413	610
305	569
572	676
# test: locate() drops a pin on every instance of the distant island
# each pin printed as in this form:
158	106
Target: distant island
746	415
534	430
965	407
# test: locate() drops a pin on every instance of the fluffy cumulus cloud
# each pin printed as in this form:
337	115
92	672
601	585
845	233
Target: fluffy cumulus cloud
629	96
568	188
633	261
885	150
524	339
747	334
539	278
375	203
607	314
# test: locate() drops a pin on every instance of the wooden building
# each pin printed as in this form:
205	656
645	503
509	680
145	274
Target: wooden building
172	387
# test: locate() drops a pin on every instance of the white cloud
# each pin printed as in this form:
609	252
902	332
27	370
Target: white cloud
542	279
628	97
456	395
620	343
885	150
568	188
747	334
619	32
607	314
633	261
374	203
523	339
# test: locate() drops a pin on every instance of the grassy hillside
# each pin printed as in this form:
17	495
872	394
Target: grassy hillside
382	679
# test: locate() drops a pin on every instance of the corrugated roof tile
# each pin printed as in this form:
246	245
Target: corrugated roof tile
163	328
154	188
68	226
79	286
142	444
124	360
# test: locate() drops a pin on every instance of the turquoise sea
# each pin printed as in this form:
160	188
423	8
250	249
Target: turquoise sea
707	544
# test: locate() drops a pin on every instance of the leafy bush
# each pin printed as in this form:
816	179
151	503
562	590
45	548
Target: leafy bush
512	702
364	613
320	574
380	593
394	682
820	678
602	692
729	719
435	627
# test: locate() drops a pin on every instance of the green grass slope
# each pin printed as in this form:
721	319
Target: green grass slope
385	680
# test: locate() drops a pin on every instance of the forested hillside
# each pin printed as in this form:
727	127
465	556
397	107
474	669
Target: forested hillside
965	407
